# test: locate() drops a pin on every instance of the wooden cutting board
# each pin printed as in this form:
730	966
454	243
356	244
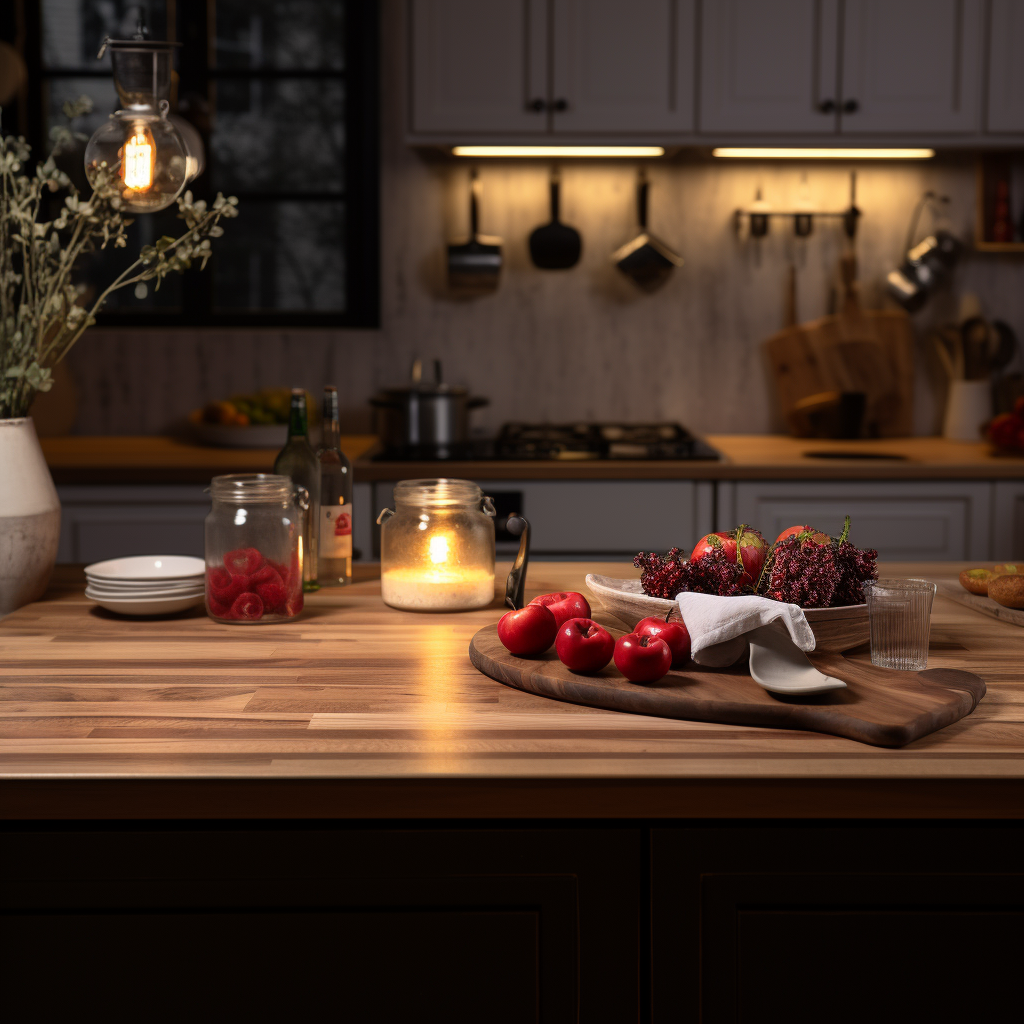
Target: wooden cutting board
980	603
879	706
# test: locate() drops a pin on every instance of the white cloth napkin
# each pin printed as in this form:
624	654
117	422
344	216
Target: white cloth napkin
719	626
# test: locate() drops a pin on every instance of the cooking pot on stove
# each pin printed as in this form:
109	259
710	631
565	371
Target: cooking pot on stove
424	415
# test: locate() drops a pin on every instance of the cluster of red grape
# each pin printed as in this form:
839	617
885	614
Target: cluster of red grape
668	575
813	570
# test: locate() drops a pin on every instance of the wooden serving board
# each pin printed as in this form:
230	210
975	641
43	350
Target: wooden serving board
880	706
979	602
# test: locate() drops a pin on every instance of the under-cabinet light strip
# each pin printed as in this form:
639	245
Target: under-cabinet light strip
767	153
558	151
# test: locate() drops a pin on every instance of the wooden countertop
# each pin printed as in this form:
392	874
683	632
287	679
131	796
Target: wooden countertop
360	711
120	459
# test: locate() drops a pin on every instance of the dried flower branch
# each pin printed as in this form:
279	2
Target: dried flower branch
42	313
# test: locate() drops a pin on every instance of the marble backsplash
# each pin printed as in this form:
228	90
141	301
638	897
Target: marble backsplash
578	344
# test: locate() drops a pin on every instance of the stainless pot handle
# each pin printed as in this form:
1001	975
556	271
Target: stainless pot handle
385	513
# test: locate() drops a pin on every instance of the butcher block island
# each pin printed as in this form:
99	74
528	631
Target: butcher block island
351	781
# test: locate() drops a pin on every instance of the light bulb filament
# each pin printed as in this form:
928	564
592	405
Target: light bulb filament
439	549
137	164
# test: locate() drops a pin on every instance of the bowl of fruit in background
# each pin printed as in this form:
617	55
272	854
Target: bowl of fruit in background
1006	431
255	420
821	574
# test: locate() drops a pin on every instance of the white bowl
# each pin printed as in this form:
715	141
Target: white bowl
148	568
835	629
145	606
256	435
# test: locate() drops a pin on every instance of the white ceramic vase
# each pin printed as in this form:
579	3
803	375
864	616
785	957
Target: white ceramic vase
29	516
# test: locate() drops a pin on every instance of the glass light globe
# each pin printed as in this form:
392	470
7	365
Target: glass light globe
148	155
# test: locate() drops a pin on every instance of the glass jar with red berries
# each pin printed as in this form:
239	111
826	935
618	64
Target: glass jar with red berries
254	548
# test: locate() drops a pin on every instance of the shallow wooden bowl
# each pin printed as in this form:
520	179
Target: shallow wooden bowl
835	629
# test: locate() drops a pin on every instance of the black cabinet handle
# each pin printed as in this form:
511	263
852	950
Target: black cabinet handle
537	106
827	106
559	105
851	107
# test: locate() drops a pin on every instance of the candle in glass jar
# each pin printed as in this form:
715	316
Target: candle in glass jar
439	583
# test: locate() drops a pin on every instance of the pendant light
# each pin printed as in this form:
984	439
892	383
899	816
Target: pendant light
140	143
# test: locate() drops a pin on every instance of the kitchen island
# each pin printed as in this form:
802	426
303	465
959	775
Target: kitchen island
351	781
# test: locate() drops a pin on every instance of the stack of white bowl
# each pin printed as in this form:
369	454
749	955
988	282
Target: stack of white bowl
147	584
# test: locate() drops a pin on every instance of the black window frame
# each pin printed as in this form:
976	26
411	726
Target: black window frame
189	22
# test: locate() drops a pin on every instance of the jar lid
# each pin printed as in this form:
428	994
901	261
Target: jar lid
252	487
440	492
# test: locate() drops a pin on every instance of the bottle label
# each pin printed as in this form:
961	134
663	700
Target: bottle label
335	531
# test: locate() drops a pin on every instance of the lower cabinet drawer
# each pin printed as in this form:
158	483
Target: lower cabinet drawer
909	522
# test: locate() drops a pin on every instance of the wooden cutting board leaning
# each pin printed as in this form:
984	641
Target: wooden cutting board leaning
880	706
855	350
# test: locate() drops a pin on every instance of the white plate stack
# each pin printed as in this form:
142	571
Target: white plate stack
147	584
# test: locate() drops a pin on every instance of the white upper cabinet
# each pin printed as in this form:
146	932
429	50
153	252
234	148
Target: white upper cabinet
479	67
912	66
768	68
1006	67
623	67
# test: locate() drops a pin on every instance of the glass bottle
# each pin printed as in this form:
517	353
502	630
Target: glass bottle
334	567
297	461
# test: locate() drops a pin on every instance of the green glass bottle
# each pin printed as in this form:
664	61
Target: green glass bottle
334	565
298	461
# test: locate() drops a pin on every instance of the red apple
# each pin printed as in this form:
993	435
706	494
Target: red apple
582	645
564	606
675	634
793	531
529	630
642	659
753	550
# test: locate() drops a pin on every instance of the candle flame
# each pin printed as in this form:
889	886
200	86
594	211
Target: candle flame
438	548
137	165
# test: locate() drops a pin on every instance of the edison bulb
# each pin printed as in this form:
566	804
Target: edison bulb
148	155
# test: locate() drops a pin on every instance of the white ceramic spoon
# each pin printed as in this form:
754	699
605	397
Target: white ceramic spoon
777	664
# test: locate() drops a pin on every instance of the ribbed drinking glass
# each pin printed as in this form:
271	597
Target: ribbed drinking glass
899	613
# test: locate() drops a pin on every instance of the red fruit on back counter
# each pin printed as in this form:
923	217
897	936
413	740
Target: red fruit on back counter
675	634
565	606
751	545
247	606
244	561
527	631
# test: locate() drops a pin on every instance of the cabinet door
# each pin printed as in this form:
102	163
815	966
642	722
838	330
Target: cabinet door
623	68
904	521
769	68
912	66
1008	521
834	923
1006	69
478	66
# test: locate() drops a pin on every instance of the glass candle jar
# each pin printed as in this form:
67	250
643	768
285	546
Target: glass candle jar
254	548
437	547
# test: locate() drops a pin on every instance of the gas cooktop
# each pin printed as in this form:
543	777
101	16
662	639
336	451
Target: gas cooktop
573	442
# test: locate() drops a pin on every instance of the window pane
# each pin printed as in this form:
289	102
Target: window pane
283	135
307	34
74	29
282	256
60	90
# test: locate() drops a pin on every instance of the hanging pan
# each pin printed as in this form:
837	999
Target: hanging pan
647	260
555	246
474	265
